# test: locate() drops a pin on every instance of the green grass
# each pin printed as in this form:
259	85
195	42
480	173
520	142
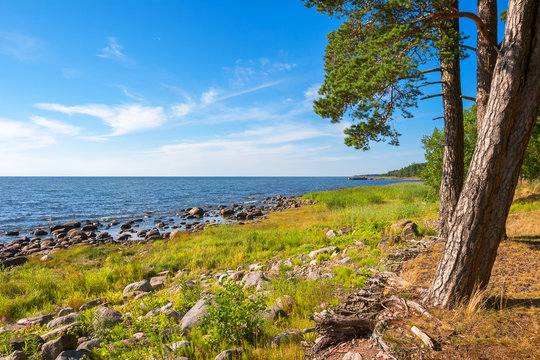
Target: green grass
79	274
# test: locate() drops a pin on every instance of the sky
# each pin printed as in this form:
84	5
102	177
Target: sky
181	88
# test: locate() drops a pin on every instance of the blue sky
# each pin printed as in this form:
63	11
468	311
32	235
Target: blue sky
178	88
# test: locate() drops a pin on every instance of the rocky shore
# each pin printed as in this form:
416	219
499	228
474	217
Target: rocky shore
64	335
46	241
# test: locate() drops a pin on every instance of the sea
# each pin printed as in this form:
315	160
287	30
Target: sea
27	203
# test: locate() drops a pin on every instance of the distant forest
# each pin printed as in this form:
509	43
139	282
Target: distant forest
412	170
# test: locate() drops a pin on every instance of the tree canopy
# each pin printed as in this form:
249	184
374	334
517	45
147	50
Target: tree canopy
373	63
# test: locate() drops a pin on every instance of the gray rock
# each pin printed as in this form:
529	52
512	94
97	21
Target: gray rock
65	311
274	312
254	279
173	314
89	345
158	282
46	258
352	356
105	317
60	330
194	316
50	350
197	211
139	286
63	320
230	354
18	343
180	345
71	355
285	337
16	355
90	304
331	234
325	250
35	320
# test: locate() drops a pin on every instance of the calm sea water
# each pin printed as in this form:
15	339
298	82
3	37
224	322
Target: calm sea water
31	202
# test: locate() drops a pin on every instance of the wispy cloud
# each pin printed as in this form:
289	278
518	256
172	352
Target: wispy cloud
17	135
123	119
55	126
245	71
113	50
20	46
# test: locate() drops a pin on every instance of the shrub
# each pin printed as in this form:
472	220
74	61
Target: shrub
233	317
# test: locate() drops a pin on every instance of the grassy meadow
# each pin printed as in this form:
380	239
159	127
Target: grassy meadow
77	275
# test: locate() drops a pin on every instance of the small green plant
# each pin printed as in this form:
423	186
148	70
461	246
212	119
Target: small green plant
346	276
322	257
233	317
31	345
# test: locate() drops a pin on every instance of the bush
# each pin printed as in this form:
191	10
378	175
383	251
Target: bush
233	317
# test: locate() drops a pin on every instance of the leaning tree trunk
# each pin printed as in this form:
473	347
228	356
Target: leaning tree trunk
486	56
452	176
480	215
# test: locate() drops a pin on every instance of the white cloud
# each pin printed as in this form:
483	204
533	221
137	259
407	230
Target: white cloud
123	119
180	110
113	50
208	97
55	126
312	92
21	46
16	135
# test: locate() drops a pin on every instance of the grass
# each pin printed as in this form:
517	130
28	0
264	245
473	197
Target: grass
502	322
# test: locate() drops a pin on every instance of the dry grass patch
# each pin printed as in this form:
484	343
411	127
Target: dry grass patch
502	322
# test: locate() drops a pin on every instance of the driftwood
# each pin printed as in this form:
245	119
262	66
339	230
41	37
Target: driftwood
336	328
377	336
424	337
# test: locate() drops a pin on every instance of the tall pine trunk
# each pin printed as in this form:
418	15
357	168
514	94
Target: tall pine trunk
486	56
479	219
453	166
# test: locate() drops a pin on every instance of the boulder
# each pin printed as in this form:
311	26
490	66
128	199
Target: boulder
18	343
63	320
90	304
180	345
89	227
105	317
65	311
158	282
285	337
197	211
173	234
407	229
61	330
330	234
226	213
72	355
139	286
325	250
13	261
254	279
230	354
173	314
194	316
16	355
274	312
46	258
35	320
352	356
89	345
50	350
286	303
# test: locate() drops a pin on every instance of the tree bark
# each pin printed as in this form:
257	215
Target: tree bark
453	166
479	219
486	56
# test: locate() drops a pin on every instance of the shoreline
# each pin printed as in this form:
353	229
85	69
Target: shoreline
48	240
